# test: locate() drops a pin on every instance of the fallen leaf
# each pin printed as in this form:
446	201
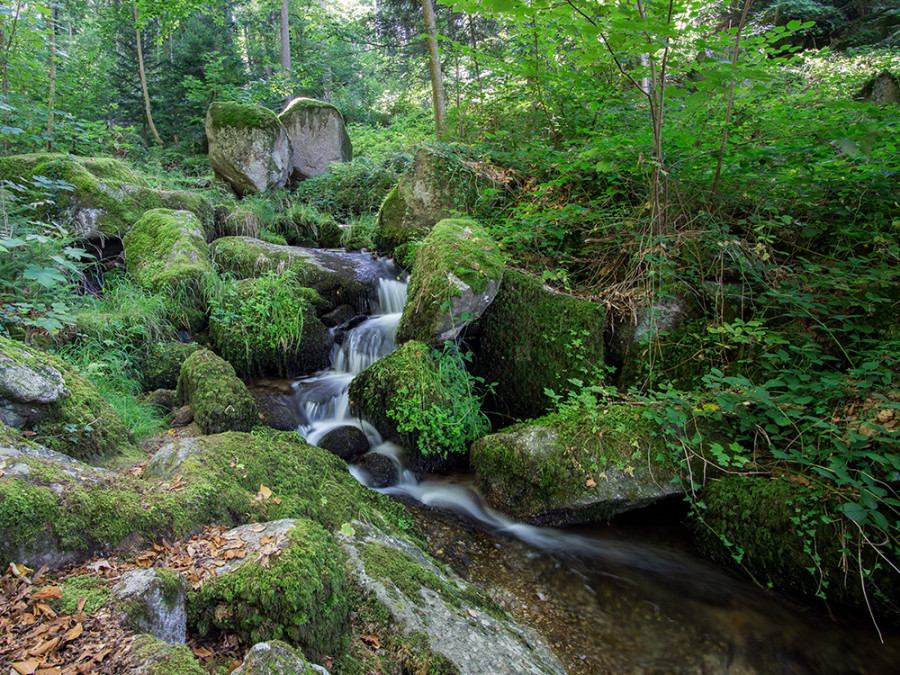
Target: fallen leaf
46	610
264	492
276	500
44	647
371	640
257	528
49	671
26	667
591	482
80	605
48	593
98	565
19	571
73	632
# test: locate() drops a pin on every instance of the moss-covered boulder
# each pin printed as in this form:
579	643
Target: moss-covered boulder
426	406
455	276
276	658
166	252
341	278
531	339
291	588
584	466
764	521
149	656
248	147
268	326
458	628
40	393
318	136
219	400
99	195
437	186
161	366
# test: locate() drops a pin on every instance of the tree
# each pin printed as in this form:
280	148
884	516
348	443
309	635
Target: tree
437	84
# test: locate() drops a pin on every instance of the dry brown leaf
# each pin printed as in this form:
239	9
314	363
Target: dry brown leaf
591	482
53	670
73	633
98	565
268	539
26	667
80	605
47	593
202	653
44	647
371	640
46	610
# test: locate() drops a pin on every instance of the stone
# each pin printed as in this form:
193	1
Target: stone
182	417
380	471
474	635
162	365
347	442
318	137
153	602
455	277
248	147
276	658
273	412
219	400
881	88
559	471
149	656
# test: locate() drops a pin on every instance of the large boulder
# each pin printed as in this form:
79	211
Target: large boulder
276	658
219	400
99	196
578	468
282	580
318	136
455	276
464	631
152	601
531	339
248	147
881	88
437	186
43	395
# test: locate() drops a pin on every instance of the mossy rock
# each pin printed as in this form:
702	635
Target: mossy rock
764	518
248	147
108	196
318	136
166	252
149	656
161	366
296	595
268	326
531	339
79	423
219	400
579	467
437	186
276	658
455	276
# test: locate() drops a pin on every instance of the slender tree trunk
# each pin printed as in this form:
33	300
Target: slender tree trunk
4	87
142	73
437	84
286	43
51	74
475	66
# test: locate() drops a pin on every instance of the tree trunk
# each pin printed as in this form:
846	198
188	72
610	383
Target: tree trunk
142	73
51	74
437	84
286	43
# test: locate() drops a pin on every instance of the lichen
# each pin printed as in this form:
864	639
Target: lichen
218	399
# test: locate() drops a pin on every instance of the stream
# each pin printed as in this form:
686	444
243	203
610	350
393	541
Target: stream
624	598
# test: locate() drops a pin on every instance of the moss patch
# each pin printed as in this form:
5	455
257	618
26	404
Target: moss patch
159	658
247	258
161	366
242	115
90	587
218	399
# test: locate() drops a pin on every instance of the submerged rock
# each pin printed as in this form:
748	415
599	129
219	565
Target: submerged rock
459	623
152	601
219	400
455	276
318	136
248	147
380	471
577	469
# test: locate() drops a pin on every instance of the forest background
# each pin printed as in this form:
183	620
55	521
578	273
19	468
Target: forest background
638	148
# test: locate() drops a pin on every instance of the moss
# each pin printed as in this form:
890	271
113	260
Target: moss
161	366
171	585
268	326
218	399
242	115
454	248
400	570
297	597
159	658
532	339
89	587
247	258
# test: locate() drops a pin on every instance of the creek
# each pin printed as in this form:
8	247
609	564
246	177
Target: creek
630	597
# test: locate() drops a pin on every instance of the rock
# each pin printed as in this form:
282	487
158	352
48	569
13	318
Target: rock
248	147
338	316
219	400
469	631
162	365
881	88
166	252
273	412
531	339
380	471
41	393
289	585
317	135
182	417
268	326
560	471
149	656
163	400
437	186
153	602
107	198
347	442
455	276
276	658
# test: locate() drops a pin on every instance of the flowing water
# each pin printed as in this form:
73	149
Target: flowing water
615	599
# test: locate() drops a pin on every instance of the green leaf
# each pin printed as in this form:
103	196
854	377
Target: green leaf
854	512
48	277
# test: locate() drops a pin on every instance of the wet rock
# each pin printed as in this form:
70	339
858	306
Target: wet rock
276	658
219	400
558	471
339	315
381	471
273	412
153	602
182	417
475	635
149	656
347	442
455	277
318	136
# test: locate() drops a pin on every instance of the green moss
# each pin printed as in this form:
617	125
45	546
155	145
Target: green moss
298	597
162	364
454	248
160	658
241	115
268	326
532	339
400	570
247	258
91	588
218	399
